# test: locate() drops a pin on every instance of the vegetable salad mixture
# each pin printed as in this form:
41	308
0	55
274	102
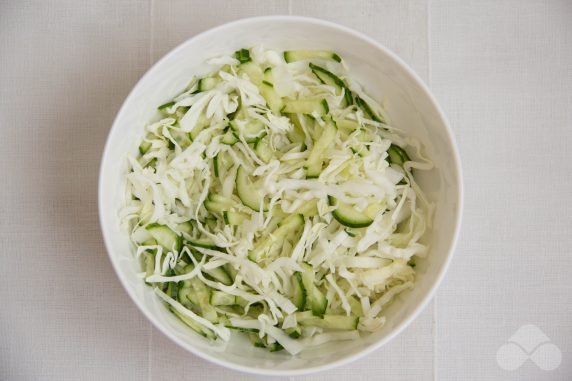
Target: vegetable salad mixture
273	197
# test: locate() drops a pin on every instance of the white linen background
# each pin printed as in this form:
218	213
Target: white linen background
502	70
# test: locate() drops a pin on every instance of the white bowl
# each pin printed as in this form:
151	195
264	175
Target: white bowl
384	75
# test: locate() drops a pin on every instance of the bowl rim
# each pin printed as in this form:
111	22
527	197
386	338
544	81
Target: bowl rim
403	323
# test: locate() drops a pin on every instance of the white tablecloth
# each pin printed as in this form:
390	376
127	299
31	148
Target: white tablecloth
502	70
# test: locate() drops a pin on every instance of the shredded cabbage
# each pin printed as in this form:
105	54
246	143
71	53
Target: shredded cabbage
322	231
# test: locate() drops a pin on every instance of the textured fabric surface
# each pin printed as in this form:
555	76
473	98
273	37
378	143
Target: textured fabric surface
502	70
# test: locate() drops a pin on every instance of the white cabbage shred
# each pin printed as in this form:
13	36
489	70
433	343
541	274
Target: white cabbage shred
245	274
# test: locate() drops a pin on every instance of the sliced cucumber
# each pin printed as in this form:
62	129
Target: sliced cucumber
201	330
242	55
216	203
187	297
259	342
205	244
301	55
165	237
247	192
185	227
290	226
315	300
180	112
329	78
181	138
144	147
163	108
229	137
347	126
208	83
253	71
368	111
318	155
299	292
333	322
219	298
347	215
308	106
210	222
215	197
397	155
202	123
198	295
250	131
263	150
296	134
361	148
149	263
234	218
219	275
273	100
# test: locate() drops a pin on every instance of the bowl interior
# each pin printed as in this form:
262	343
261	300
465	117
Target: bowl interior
384	77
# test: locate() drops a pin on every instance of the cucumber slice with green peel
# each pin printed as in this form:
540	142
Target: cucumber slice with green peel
397	155
182	139
263	150
289	226
215	166
259	342
349	216
219	275
219	298
199	295
299	292
253	71
202	123
216	203
316	301
211	222
187	296
205	244
234	218
318	155
201	330
151	163
144	147
232	272
242	55
333	322
250	131
149	264
229	138
294	332
327	77
202	293
163	108
308	106
347	126
296	134
302	55
185	227
208	83
361	148
355	306
215	207
180	112
215	197
248	192
165	237
368	111
273	100
172	289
